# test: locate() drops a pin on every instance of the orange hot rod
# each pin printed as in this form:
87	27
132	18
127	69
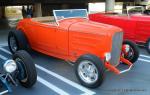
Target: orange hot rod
71	36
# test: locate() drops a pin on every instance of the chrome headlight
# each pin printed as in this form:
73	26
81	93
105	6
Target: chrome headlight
10	66
127	48
107	56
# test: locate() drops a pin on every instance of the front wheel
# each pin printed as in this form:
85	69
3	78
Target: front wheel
90	71
130	51
27	74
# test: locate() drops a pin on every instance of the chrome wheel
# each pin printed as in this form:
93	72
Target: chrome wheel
129	52
13	44
88	72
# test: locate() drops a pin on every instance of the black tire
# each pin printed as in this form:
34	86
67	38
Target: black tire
25	62
147	46
20	39
98	64
135	49
11	34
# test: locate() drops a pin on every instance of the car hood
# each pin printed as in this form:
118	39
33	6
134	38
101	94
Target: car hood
88	26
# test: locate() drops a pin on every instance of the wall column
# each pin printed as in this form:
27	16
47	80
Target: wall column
65	6
124	9
110	4
138	1
2	11
37	10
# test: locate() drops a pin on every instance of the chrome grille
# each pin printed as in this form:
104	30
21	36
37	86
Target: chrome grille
116	48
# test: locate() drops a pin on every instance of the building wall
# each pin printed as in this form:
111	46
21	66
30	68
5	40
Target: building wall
47	9
2	11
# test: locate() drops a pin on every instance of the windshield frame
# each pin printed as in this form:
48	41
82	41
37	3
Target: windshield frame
57	21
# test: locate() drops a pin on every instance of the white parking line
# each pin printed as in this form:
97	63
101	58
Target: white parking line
52	87
3	57
84	94
140	59
141	55
5	50
56	89
55	75
2	45
87	91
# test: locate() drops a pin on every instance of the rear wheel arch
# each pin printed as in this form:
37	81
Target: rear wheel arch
21	39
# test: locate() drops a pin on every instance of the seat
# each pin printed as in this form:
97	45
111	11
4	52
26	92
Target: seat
45	20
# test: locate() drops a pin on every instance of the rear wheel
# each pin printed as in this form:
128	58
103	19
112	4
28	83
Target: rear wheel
90	71
13	42
130	51
27	74
148	45
17	41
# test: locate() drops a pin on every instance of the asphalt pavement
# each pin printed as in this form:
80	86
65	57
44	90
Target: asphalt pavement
57	77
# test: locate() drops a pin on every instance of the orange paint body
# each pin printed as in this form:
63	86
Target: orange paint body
70	39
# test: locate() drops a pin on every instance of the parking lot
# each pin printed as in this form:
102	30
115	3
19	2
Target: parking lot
56	77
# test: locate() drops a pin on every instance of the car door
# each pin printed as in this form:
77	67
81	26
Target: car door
129	27
142	30
46	38
62	41
126	24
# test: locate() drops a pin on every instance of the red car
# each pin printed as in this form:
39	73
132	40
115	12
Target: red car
135	27
71	36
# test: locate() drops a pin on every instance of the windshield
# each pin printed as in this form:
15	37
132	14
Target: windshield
71	13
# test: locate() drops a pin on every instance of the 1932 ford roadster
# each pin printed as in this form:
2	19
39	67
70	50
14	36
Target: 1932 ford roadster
93	47
135	25
20	68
